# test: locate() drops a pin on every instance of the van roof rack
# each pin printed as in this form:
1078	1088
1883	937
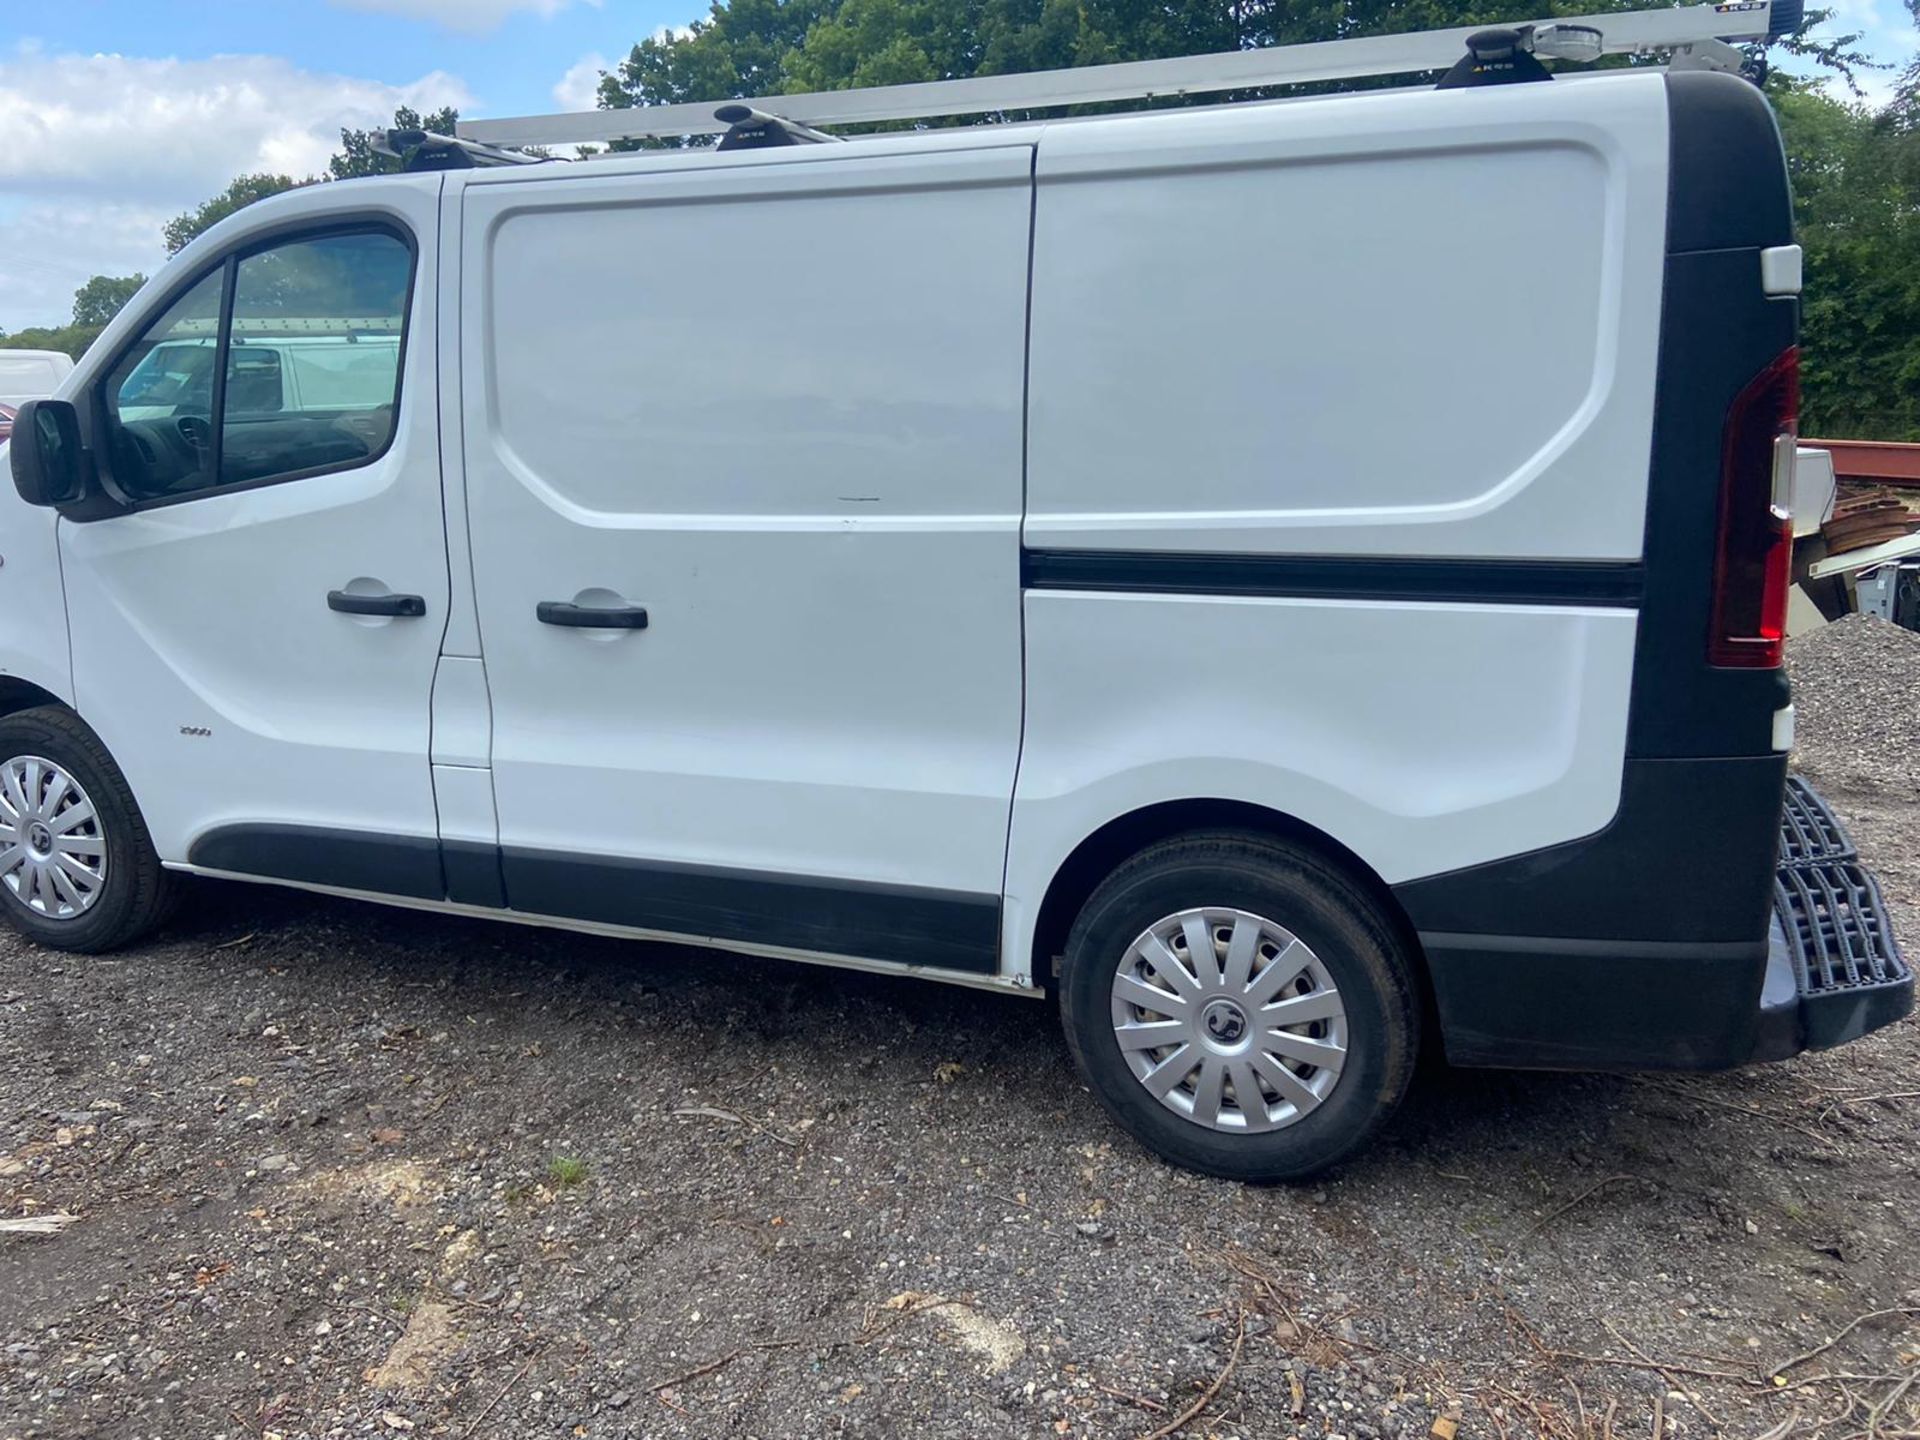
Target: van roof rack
1699	36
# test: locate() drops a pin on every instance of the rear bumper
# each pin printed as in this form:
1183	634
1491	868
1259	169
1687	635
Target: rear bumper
1827	971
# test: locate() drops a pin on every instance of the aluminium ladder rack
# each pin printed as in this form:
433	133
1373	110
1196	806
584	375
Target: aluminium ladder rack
1629	32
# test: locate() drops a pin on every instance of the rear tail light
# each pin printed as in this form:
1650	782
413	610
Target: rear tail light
1753	561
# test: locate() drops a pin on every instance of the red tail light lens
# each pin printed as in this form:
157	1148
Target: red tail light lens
1753	564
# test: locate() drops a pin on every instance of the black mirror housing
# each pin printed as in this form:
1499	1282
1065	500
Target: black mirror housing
49	462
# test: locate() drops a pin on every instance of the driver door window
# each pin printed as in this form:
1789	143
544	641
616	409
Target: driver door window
160	398
283	363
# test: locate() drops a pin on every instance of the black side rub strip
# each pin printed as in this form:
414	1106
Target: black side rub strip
406	865
911	925
1615	584
907	925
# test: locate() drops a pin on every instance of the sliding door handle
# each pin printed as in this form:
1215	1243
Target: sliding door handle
348	603
590	617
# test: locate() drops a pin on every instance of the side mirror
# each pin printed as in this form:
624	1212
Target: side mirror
49	466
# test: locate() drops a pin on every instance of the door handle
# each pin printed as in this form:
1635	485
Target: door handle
589	617
347	603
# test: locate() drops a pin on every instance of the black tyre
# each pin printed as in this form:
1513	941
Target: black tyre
77	868
1240	1006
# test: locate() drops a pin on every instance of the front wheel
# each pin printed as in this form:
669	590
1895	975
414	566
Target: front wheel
1240	1006
77	869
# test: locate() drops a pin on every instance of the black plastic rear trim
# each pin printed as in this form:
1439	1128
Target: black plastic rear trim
1717	331
1825	969
1543	1003
1727	187
1727	200
1688	856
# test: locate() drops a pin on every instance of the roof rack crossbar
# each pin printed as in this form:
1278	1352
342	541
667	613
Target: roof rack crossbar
1628	32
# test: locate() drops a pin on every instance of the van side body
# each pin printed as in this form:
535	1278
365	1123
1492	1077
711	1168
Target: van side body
856	553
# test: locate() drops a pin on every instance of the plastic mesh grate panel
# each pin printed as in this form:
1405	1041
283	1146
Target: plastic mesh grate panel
1836	924
1810	833
1837	927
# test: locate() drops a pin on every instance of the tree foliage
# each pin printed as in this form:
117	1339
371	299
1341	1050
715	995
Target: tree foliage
764	47
1856	183
100	299
355	157
69	339
94	304
241	193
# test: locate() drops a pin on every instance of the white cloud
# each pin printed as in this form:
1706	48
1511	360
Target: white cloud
98	151
128	128
476	17
579	88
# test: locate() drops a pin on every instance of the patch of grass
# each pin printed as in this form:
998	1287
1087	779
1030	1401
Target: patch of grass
1794	1210
566	1172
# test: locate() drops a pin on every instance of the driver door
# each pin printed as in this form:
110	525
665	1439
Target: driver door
255	630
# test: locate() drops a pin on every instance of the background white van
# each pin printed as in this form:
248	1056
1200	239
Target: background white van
283	373
29	374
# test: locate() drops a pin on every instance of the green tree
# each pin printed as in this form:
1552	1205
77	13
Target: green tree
1856	183
768	47
355	157
70	339
241	193
100	299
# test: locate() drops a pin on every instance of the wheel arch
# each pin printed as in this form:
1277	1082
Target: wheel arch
1101	852
17	694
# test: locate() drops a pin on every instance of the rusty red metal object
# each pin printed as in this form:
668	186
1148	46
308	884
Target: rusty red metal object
1880	462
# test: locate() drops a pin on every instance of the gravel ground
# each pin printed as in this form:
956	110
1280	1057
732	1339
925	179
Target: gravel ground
338	1170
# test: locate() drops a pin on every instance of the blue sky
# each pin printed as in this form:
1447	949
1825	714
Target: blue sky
116	115
510	56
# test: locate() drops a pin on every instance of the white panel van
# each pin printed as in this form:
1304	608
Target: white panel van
30	374
1292	582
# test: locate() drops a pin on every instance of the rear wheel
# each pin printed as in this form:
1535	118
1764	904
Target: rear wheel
1240	1006
77	868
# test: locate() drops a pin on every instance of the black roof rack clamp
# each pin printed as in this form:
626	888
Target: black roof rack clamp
751	129
425	150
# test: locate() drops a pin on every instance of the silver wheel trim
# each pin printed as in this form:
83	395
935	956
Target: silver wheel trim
53	854
1229	1020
